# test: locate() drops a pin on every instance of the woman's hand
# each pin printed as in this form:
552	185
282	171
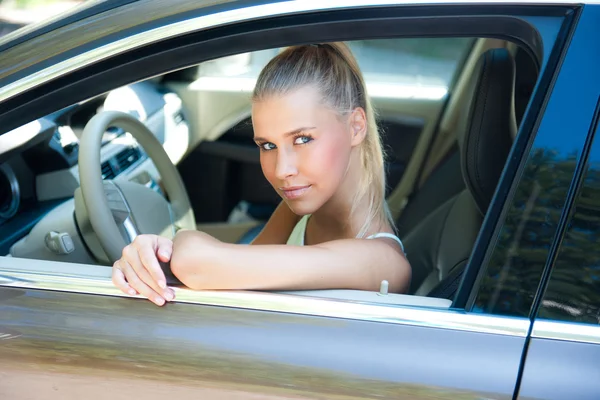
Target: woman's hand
138	270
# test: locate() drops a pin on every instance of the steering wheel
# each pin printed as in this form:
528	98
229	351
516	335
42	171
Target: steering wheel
111	214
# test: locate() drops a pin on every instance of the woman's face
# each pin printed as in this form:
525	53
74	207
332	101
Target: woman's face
304	146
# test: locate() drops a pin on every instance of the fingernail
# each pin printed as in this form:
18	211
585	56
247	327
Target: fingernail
168	296
160	301
131	292
164	254
162	284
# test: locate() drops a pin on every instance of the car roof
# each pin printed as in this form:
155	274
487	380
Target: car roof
95	7
81	11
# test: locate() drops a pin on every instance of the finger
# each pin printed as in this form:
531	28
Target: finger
140	265
151	267
146	253
143	289
118	279
164	249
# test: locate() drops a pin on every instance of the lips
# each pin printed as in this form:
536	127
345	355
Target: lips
294	192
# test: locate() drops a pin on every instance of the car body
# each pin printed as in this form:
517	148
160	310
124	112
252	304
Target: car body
522	324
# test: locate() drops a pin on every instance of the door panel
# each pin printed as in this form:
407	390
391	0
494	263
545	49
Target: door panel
562	362
62	345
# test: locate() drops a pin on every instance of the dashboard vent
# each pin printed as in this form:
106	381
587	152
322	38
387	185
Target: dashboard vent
122	161
107	170
128	157
178	118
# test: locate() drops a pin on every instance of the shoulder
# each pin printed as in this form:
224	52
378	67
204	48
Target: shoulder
390	237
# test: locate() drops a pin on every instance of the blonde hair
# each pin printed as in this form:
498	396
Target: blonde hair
332	68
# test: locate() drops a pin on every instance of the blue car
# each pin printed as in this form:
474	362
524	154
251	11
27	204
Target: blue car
129	117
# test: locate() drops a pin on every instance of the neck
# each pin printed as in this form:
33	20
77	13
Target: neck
336	216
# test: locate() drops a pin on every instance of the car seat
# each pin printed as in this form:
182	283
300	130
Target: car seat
439	246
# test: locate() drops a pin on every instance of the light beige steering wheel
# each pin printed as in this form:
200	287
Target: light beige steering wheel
111	214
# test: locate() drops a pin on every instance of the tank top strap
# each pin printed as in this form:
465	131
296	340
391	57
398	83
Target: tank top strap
296	238
388	236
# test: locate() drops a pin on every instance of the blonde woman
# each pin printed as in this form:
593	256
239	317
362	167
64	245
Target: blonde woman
320	150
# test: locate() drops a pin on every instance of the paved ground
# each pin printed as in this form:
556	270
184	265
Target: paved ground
46	385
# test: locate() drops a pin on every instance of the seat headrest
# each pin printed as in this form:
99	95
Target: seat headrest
488	127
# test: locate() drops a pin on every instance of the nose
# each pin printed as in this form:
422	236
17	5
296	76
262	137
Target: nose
286	164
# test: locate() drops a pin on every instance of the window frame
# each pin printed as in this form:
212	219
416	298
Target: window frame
572	52
85	80
27	91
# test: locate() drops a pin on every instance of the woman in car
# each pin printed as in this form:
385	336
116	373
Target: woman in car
320	150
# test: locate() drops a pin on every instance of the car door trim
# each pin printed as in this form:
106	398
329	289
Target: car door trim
48	276
566	331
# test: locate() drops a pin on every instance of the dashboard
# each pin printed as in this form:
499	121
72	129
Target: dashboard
39	161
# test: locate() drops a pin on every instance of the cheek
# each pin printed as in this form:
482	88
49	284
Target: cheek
327	160
268	166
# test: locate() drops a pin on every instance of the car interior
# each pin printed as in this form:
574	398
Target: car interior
446	144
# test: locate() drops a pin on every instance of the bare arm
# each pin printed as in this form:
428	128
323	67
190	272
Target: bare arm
202	262
138	270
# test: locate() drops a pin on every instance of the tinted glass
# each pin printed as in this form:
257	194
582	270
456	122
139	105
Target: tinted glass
516	265
573	292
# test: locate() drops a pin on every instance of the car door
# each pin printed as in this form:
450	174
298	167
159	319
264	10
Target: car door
559	293
72	336
68	333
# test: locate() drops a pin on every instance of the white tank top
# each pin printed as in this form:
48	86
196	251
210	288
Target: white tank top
297	236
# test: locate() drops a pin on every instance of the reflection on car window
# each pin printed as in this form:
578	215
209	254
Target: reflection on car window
516	265
415	68
573	292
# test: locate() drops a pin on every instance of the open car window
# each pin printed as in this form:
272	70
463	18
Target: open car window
201	116
405	68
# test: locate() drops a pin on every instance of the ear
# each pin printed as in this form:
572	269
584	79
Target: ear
358	126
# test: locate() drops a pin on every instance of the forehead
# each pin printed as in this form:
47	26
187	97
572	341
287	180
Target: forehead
304	95
302	102
281	113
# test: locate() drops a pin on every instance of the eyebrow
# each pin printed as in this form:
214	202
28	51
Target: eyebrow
288	134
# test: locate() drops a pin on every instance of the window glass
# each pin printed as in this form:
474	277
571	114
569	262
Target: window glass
415	68
516	265
573	292
511	274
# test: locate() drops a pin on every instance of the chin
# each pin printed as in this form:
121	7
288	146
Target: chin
302	208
